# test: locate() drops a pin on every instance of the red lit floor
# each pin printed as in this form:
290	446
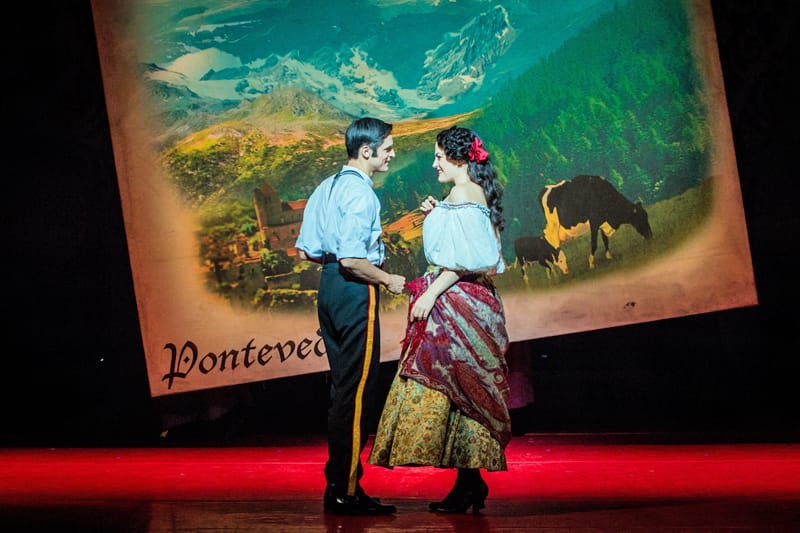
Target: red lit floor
591	482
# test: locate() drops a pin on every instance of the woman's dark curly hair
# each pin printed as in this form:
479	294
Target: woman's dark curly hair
457	144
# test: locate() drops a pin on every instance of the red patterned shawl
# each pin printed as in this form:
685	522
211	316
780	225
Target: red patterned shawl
460	350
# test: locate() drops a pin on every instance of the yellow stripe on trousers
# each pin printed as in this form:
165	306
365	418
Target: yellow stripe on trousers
359	400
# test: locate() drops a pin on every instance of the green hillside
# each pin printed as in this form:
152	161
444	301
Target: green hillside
621	100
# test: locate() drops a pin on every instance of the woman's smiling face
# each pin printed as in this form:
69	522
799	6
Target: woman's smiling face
445	168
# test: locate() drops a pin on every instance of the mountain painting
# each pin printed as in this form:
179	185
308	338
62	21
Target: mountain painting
606	120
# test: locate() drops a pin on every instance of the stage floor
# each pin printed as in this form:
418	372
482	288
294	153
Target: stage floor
555	482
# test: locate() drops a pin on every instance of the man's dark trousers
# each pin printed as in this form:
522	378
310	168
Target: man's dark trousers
349	322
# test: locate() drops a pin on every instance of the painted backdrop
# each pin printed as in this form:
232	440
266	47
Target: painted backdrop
225	116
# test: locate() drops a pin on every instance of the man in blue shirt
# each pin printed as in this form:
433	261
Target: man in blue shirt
342	230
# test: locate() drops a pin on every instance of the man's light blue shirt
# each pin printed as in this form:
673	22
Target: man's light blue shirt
342	217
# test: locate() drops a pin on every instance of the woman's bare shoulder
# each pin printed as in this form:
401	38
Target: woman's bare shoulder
470	192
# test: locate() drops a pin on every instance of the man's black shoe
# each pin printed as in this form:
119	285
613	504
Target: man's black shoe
359	504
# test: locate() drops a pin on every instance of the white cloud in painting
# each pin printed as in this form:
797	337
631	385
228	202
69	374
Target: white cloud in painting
195	65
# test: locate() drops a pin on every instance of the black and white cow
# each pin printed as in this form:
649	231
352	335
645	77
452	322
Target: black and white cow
589	203
537	249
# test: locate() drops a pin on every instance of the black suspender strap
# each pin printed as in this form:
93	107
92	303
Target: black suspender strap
336	177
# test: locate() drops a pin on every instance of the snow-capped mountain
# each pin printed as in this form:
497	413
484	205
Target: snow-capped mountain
411	60
459	64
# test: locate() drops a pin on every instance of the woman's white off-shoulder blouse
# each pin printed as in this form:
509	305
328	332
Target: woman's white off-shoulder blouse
461	237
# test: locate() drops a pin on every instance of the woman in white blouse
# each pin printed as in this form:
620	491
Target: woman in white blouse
447	406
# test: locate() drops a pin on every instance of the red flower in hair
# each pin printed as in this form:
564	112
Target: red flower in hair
477	153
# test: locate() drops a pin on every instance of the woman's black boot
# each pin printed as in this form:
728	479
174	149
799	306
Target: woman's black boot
470	490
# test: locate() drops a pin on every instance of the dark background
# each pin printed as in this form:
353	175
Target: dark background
74	366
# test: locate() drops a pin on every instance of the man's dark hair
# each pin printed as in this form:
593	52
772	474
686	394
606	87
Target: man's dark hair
367	130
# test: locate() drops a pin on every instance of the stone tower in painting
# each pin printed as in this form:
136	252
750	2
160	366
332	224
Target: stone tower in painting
279	222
